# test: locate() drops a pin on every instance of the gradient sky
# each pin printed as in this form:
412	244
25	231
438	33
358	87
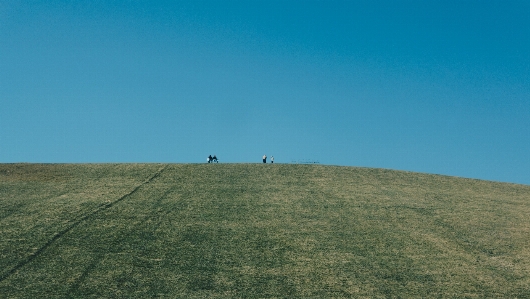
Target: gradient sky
427	86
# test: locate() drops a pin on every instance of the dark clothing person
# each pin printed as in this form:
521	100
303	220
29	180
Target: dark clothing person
264	158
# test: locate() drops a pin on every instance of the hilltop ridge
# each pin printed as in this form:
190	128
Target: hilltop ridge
258	230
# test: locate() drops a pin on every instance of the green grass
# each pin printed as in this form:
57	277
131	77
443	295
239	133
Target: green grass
258	231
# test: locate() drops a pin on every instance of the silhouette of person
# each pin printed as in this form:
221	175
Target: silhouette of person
272	159
210	158
264	158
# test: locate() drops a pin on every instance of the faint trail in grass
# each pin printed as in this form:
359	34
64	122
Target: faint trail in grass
75	223
91	266
74	289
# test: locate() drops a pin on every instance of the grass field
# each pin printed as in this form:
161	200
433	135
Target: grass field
258	231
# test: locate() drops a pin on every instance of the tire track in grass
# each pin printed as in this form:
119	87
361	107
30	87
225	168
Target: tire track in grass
74	288
75	223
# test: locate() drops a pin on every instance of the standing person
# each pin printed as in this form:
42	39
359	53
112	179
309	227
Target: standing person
209	158
272	159
264	158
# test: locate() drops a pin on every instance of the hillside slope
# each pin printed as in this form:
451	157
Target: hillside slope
258	231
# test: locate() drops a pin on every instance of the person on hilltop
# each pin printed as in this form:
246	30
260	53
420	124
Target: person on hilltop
209	158
214	159
272	159
264	158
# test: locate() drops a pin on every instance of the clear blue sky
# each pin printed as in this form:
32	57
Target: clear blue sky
428	86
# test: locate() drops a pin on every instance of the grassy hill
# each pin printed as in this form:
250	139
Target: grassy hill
258	231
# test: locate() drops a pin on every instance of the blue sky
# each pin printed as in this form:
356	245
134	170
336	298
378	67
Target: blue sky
428	86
